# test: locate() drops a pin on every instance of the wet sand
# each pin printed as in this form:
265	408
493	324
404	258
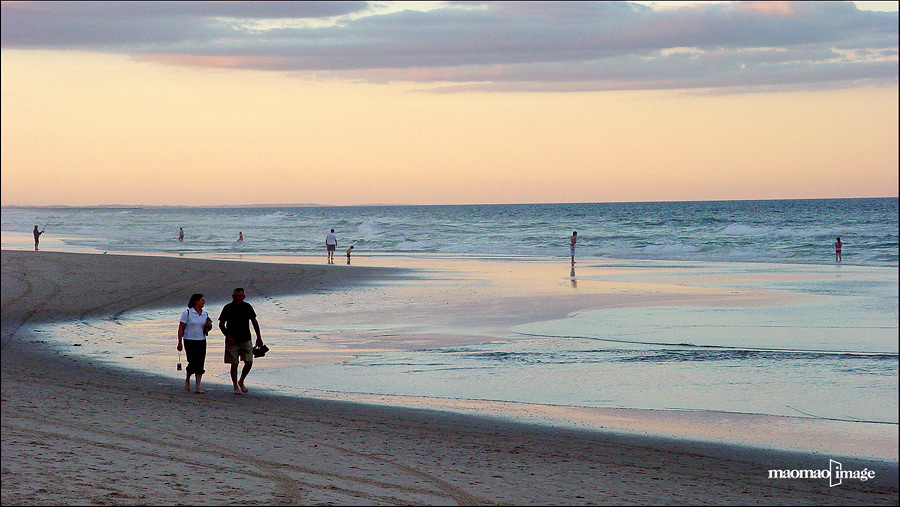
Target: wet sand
75	431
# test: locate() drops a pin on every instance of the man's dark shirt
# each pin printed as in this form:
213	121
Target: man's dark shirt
236	317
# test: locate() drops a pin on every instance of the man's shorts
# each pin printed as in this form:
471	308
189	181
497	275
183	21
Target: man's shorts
330	247
239	352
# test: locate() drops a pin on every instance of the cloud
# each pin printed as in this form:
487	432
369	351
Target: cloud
125	27
457	46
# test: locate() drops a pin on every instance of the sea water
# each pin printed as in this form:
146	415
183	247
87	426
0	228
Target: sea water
497	314
781	231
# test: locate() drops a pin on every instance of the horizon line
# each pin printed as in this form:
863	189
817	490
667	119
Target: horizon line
316	205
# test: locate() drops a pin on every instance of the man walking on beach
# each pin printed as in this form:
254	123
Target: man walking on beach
330	245
234	321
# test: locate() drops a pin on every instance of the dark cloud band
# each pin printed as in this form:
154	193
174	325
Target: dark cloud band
505	45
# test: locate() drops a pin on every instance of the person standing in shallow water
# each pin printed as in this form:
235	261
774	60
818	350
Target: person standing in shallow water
180	234
330	246
37	237
837	249
573	239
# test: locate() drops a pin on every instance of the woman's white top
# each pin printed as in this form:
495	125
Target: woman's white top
193	329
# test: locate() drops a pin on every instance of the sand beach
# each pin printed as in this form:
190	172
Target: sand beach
78	431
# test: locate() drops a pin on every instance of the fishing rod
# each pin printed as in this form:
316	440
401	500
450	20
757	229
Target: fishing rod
48	222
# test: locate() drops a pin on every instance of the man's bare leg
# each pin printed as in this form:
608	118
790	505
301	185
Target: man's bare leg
234	379
244	373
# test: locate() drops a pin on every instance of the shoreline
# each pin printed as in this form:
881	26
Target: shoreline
65	442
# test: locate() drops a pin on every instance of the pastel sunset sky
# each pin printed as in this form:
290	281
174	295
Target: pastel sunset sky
216	103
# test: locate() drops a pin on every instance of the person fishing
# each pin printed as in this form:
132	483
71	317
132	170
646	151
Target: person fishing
37	233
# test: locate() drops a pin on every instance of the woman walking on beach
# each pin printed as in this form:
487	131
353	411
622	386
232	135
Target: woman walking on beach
192	330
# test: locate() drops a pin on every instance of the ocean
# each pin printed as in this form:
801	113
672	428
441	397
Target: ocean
497	315
781	231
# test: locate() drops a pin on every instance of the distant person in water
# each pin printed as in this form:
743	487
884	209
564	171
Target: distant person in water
573	239
348	253
837	249
330	245
37	237
180	234
240	236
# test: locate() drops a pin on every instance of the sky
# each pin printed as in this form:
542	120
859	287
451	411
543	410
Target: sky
347	103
